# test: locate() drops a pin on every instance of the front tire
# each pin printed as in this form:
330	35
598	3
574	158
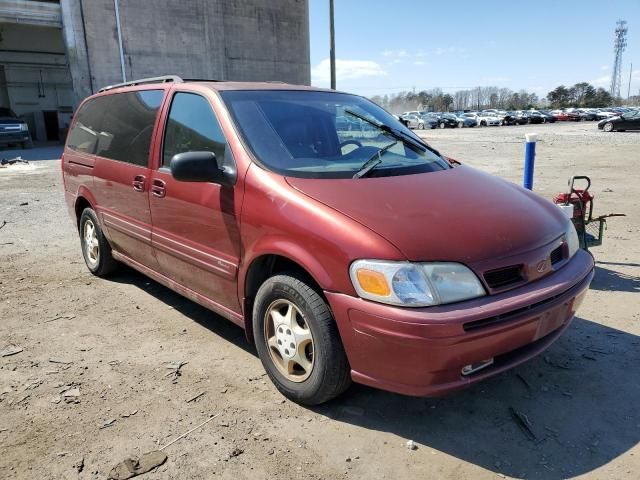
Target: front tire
442	125
608	127
421	126
298	342
95	247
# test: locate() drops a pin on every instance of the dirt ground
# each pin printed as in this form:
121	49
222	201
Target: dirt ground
90	386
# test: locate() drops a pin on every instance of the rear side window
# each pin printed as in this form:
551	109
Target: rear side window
117	126
83	136
192	126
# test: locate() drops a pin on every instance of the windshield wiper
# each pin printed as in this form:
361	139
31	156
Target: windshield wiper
395	133
373	162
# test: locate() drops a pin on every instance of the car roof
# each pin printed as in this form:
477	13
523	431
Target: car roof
216	85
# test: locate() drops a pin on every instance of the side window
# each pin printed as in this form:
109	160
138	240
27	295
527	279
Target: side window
127	125
192	126
83	136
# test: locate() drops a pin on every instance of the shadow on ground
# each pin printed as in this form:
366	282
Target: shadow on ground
218	325
580	397
611	280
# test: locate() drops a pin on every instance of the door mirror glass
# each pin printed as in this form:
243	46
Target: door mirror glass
197	167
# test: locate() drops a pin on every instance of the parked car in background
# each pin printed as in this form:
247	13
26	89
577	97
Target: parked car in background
509	119
521	118
547	115
413	121
627	121
430	120
486	119
371	258
588	114
535	117
448	120
573	114
14	130
605	113
560	115
466	121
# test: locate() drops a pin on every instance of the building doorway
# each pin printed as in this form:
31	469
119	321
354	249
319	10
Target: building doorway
51	126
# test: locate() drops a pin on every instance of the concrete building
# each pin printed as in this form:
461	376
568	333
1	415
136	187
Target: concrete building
55	53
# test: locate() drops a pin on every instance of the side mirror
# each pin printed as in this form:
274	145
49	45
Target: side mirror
199	167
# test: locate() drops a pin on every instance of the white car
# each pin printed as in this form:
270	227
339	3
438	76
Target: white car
413	121
486	119
606	114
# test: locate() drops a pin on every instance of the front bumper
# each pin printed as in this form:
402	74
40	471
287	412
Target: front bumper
14	137
422	351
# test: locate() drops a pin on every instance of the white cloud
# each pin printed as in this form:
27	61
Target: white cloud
604	67
395	53
450	50
346	70
419	62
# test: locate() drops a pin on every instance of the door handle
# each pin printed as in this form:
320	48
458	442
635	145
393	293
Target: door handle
158	188
138	183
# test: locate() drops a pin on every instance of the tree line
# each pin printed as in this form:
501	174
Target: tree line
581	94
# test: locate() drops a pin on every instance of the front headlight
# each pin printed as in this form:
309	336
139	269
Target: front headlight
571	238
414	284
24	127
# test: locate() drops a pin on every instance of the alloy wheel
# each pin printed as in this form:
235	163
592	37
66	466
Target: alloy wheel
91	245
289	340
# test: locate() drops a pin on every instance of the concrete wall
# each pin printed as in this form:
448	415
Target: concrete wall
218	39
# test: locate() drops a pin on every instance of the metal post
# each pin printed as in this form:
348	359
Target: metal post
529	160
629	88
332	50
119	32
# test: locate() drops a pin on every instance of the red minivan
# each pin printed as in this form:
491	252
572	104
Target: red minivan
344	245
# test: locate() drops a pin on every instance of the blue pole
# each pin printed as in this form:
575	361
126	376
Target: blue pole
529	160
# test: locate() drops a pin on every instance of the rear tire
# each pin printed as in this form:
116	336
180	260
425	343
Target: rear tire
95	247
298	341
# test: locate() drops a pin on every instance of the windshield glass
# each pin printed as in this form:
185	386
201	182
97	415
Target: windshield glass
316	134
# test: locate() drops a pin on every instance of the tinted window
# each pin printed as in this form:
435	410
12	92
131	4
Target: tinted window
192	126
83	136
127	125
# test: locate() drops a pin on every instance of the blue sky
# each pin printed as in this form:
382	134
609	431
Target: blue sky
386	46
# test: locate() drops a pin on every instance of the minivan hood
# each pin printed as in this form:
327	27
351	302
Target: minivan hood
460	214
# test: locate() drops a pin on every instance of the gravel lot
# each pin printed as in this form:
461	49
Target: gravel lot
90	386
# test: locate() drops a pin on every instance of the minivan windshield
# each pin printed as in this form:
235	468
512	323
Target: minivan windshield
325	134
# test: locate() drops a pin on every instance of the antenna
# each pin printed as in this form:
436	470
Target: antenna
619	45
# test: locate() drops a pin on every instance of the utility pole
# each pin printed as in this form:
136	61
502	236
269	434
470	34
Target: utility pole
332	48
629	87
619	45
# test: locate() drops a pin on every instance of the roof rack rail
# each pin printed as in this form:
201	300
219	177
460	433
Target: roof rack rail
141	81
